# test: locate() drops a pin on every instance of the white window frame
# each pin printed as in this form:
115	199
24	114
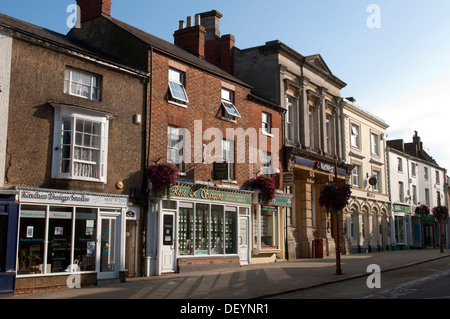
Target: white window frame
377	175
413	169
425	173
228	157
356	174
68	82
354	135
230	111
401	192
266	120
74	113
399	164
438	180
174	131
176	78
311	117
374	144
266	162
329	133
290	101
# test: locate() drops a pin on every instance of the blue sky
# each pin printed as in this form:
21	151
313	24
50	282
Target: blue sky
399	72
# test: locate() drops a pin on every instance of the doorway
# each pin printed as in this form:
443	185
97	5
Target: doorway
244	240
108	234
168	243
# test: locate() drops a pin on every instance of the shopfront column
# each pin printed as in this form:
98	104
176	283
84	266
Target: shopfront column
304	207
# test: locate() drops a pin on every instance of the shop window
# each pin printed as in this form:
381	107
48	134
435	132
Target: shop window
211	231
80	145
202	229
399	230
266	225
59	239
85	239
31	239
230	230
186	230
217	229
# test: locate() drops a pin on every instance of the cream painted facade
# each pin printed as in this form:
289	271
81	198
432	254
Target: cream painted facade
368	214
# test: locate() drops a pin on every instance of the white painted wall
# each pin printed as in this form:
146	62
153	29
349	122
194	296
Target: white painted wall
5	75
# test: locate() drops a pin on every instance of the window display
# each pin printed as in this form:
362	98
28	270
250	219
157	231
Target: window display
85	239
269	227
59	238
31	239
186	231
202	229
216	229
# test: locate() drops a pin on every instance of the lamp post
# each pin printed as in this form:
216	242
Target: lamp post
338	248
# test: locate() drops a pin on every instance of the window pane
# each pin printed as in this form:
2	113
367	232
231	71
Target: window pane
231	232
85	239
269	227
31	239
186	231
59	239
202	229
177	91
217	235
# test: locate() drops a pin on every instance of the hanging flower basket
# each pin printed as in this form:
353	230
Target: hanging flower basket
422	210
267	187
334	197
163	176
440	213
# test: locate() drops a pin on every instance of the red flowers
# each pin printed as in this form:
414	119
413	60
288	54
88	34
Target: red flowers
267	187
334	197
163	176
440	213
422	210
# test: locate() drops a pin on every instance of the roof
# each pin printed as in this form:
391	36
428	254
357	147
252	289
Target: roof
174	50
27	31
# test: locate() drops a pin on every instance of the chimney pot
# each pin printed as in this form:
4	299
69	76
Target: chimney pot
189	22
197	19
181	25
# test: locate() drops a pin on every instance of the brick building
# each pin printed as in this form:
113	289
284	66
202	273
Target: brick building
199	114
72	160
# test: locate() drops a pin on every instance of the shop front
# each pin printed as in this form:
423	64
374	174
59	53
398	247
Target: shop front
8	240
401	224
69	237
198	228
269	228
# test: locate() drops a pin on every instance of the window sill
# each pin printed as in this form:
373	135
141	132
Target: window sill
231	181
266	251
177	104
223	118
86	179
267	134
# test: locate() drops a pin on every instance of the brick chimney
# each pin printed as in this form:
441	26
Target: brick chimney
91	9
191	38
418	144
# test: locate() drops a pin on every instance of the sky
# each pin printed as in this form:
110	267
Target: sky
393	55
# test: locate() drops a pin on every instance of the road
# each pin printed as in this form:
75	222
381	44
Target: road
426	280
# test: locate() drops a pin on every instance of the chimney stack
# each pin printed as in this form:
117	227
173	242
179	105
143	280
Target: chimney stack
91	9
191	38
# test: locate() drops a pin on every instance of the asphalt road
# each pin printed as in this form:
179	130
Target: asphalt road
426	280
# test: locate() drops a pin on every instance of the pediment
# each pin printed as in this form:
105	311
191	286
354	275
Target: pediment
317	61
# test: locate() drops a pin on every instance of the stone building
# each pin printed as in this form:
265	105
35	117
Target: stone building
310	93
368	215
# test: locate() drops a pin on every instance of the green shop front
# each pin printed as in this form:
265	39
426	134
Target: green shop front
198	227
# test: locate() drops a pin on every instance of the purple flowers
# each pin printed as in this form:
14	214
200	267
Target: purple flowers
163	176
267	187
334	197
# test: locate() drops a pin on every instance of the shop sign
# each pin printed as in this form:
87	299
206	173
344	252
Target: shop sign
324	167
279	201
209	195
71	198
400	207
288	178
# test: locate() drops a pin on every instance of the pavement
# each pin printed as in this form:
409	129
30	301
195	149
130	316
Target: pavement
246	282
